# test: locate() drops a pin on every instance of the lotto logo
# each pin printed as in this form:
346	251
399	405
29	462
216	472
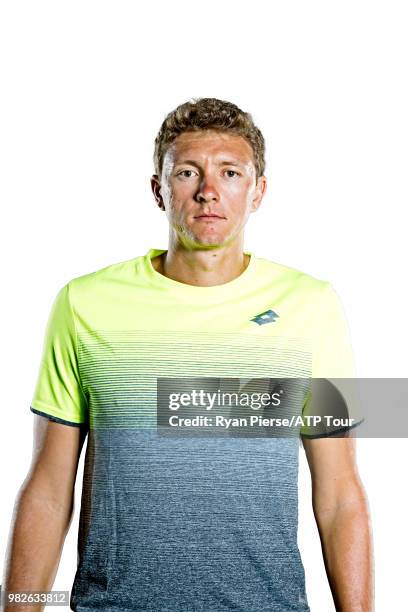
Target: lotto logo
269	316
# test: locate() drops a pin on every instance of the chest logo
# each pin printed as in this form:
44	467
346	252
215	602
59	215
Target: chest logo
269	316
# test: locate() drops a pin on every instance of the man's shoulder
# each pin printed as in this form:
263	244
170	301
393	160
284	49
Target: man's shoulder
291	276
116	272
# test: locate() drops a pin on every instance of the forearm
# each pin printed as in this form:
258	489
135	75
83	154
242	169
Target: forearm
347	549
38	529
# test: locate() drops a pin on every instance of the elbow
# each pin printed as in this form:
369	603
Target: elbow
55	504
350	505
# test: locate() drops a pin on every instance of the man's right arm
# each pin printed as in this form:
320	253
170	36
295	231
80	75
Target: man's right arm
43	510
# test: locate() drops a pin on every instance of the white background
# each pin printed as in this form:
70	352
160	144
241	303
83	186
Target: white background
84	89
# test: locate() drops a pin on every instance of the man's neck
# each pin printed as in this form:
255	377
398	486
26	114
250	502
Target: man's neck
201	268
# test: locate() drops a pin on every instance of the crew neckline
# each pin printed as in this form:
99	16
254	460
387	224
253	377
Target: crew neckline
234	285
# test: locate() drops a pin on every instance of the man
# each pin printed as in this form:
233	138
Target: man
188	523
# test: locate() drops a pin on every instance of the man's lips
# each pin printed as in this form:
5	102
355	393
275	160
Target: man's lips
208	217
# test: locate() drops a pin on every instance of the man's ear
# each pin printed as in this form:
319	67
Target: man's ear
156	188
260	191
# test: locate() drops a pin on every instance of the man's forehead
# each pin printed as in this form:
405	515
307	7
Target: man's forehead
204	143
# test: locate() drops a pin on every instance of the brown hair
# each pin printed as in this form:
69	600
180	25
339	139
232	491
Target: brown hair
209	114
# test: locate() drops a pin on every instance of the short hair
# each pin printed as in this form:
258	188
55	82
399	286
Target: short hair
209	114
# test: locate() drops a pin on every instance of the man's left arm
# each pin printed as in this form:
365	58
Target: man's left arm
341	511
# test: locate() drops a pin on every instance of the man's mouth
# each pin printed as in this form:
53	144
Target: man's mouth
209	217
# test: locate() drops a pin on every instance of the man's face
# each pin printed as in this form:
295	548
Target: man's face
208	188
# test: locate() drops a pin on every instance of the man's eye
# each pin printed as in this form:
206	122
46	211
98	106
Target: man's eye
186	173
231	173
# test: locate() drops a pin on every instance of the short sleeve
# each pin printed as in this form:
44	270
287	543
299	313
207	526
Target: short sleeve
335	401
58	394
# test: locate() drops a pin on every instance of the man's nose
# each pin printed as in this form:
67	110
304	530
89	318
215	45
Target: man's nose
207	190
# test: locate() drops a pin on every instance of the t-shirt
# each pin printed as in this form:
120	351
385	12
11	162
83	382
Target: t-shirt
185	523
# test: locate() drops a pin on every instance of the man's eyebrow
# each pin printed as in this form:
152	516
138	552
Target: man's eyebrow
235	162
226	162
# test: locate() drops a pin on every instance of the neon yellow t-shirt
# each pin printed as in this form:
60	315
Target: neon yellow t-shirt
158	513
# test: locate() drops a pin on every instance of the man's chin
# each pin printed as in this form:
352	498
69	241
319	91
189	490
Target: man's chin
203	240
206	245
